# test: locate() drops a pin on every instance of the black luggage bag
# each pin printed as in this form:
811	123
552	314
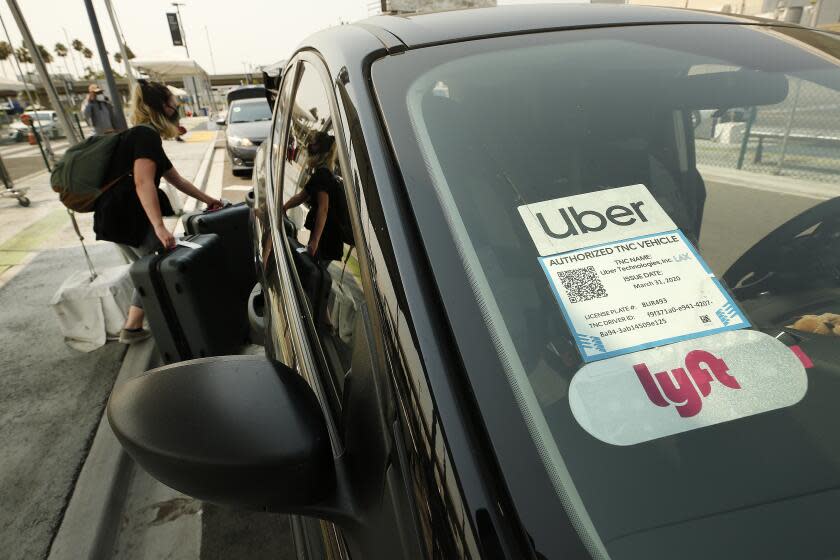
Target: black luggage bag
232	224
314	279
188	303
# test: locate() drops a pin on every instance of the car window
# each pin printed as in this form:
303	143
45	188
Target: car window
249	111
648	219
318	224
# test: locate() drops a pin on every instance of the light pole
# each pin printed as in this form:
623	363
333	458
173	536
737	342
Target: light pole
116	100
186	48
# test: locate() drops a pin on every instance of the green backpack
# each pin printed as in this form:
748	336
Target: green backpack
79	175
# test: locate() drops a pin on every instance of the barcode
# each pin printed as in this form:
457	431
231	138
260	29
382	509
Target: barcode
582	284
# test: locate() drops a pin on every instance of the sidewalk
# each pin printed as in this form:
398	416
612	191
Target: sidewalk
52	397
769	183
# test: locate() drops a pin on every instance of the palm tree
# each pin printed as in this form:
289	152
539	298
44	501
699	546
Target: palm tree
46	56
5	52
78	46
88	54
61	52
24	58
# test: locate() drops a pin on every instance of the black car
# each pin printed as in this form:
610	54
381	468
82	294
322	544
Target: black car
247	125
564	328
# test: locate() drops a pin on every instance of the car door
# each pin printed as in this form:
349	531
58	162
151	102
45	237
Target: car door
329	332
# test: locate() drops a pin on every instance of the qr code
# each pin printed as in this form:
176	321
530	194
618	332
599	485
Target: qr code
582	284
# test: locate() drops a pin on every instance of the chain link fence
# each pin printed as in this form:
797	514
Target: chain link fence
798	138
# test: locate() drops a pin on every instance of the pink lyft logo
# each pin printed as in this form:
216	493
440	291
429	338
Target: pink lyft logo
678	387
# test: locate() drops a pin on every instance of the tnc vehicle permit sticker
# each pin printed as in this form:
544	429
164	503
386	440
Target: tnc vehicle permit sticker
635	292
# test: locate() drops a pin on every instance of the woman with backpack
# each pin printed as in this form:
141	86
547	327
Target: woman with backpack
130	213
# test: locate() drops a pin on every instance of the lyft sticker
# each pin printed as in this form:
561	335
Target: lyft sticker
663	391
583	220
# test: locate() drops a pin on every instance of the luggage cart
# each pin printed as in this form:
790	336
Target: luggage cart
10	191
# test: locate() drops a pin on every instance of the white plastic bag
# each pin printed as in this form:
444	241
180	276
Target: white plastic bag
89	313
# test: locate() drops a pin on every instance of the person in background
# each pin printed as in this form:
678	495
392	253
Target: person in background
98	111
131	212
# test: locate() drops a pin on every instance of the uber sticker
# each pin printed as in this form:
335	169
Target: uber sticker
583	220
637	293
664	391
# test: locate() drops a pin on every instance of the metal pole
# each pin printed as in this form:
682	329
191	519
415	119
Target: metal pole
52	93
781	162
47	160
746	138
106	67
181	25
121	42
186	48
210	46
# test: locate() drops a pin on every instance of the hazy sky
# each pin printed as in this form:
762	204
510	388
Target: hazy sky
251	31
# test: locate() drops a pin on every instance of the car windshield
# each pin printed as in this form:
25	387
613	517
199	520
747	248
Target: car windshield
250	111
648	220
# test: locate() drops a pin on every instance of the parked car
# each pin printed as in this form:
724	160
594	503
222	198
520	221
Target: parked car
552	336
46	122
247	123
245	92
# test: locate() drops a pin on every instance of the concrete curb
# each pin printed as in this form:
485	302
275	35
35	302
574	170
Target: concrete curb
93	515
200	181
768	183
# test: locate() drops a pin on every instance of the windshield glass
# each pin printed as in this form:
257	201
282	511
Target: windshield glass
648	219
250	111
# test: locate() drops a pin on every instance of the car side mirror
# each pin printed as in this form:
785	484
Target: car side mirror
239	430
221	122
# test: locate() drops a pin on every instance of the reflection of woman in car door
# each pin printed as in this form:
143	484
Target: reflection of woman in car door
325	236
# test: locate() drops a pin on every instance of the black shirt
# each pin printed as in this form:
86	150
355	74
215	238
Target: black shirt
119	215
330	246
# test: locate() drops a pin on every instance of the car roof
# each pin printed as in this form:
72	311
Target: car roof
458	25
248	101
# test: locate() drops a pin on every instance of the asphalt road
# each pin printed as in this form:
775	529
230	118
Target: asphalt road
22	160
736	218
51	400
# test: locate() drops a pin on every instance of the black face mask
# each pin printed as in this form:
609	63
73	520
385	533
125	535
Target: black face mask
175	118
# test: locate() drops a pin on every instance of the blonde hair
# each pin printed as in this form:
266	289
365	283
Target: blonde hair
143	110
326	159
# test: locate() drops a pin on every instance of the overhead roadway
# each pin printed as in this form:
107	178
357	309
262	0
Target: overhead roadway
192	76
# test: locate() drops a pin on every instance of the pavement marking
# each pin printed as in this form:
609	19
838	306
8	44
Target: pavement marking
200	136
31	149
9	272
12	258
37	235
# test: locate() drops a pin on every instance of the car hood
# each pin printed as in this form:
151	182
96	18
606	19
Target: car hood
257	130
